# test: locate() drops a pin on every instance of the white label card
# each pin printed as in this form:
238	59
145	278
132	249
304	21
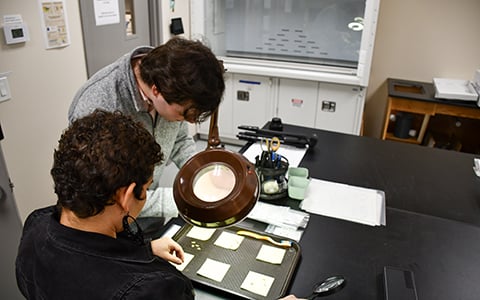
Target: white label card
257	283
229	240
200	233
273	255
188	258
213	269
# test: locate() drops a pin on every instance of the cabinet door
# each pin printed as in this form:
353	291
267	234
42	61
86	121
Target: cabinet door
247	101
340	108
297	101
252	100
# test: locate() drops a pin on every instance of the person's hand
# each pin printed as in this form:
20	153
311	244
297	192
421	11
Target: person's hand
291	297
168	249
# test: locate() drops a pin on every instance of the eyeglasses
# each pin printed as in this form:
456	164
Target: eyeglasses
191	114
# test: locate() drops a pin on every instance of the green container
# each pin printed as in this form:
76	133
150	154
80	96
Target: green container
297	187
298	172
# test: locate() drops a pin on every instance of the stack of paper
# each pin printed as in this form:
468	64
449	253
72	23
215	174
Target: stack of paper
347	202
282	220
455	89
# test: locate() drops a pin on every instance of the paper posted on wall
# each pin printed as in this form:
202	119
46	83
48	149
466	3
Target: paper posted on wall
54	23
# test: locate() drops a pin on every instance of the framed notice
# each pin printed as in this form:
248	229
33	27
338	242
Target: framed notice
54	23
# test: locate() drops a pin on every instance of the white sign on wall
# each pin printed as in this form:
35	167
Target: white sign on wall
106	12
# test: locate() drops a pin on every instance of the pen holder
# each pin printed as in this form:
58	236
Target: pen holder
271	170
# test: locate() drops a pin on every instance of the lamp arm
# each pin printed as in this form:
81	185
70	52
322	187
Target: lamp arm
213	138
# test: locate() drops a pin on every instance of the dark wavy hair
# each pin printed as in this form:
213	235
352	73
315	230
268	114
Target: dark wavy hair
97	155
185	70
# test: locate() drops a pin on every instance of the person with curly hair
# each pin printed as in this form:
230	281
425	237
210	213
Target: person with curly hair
88	245
165	88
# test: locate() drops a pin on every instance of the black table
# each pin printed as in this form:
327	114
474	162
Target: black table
433	219
432	216
416	179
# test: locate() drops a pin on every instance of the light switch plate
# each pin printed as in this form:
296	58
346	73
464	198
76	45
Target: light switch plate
4	89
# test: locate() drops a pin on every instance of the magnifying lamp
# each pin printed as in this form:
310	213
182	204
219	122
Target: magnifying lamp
216	187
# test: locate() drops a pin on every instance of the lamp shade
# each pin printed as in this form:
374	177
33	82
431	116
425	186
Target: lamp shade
216	187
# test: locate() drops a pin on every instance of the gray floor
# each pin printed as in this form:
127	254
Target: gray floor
171	170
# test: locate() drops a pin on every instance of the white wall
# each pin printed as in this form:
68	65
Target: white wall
42	84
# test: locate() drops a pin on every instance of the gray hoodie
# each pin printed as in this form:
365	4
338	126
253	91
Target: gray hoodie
114	88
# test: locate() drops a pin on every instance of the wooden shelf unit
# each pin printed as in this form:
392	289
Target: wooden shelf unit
417	99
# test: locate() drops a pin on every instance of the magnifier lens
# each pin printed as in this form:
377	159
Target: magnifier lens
214	182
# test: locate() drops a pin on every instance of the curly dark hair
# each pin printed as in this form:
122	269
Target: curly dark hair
184	70
97	155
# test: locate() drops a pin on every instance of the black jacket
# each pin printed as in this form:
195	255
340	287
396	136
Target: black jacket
58	262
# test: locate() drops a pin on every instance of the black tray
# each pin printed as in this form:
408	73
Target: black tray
241	261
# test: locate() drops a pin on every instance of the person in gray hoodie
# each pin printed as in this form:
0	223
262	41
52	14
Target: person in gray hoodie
164	88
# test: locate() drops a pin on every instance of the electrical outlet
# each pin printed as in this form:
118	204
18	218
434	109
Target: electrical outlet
328	106
243	95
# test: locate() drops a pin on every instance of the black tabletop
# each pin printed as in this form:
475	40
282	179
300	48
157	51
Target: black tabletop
433	219
415	178
432	216
442	254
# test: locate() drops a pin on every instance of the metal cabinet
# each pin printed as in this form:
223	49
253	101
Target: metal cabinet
254	100
340	108
297	101
329	106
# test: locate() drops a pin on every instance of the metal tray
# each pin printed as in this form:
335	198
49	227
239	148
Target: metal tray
241	261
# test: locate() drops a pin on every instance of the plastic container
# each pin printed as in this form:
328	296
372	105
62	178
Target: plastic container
297	187
298	171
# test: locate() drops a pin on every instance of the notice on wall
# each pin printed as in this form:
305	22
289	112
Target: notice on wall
106	12
54	23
